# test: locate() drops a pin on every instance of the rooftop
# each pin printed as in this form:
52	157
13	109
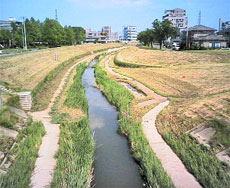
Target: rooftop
212	37
201	28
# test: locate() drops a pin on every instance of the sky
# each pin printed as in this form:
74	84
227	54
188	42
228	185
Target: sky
95	14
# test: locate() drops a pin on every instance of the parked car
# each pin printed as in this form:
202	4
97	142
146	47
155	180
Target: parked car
177	48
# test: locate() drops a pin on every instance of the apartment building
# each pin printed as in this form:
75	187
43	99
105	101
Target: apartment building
225	30
95	36
130	33
177	17
108	31
104	36
7	24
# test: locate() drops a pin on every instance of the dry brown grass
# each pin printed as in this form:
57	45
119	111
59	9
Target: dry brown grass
61	108
196	83
28	70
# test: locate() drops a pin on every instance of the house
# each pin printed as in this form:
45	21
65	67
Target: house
225	30
203	37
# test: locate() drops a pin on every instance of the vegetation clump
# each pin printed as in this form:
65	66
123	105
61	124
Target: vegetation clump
222	134
129	65
8	119
76	97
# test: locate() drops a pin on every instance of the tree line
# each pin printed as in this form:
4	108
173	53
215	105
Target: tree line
48	33
160	33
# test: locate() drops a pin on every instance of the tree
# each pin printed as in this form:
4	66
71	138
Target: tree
5	37
164	30
52	32
147	37
69	35
33	31
79	34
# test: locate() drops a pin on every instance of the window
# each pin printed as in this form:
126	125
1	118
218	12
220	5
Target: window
217	45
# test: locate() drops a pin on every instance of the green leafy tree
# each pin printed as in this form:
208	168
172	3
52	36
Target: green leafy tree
33	31
163	30
52	33
69	35
79	34
5	37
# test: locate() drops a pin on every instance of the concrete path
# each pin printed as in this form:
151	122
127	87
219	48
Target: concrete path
169	160
8	132
45	164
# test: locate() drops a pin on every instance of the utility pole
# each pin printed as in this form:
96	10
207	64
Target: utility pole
25	43
187	35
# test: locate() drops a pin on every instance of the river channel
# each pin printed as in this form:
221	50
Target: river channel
114	166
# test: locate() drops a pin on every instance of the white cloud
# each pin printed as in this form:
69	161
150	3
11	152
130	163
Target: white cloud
111	3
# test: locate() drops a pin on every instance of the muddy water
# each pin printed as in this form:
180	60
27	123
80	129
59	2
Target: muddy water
114	165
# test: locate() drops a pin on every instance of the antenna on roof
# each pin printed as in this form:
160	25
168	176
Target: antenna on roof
219	24
199	18
56	15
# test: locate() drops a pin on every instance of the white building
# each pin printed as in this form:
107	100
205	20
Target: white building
107	30
130	33
104	36
95	36
114	37
177	17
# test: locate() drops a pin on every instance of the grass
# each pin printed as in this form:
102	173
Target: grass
27	70
19	174
13	101
76	150
122	98
8	119
130	65
207	169
75	155
222	134
196	84
45	89
79	100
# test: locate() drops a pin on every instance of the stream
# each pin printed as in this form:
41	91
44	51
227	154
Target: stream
114	166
